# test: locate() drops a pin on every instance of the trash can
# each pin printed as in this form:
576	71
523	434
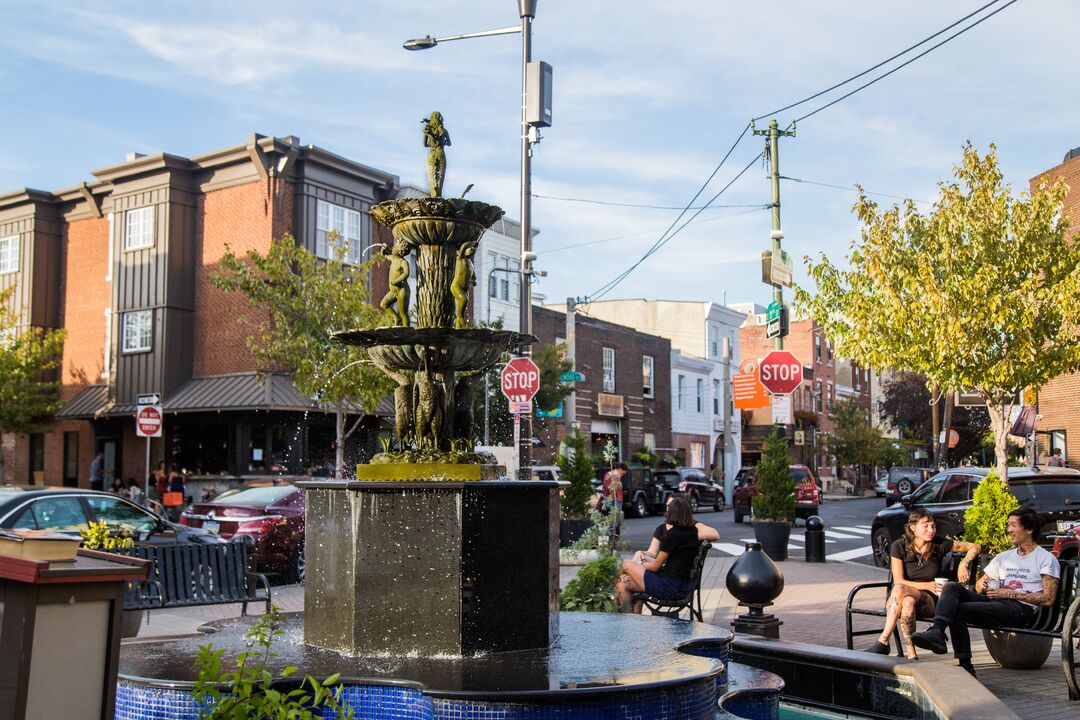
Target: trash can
815	539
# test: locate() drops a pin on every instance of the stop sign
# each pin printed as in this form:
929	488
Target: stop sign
780	372
148	421
520	379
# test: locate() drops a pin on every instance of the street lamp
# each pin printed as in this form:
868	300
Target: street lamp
534	114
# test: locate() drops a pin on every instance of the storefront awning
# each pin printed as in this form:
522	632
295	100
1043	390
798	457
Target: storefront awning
242	391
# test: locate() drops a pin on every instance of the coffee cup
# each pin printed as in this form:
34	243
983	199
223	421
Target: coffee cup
992	584
941	582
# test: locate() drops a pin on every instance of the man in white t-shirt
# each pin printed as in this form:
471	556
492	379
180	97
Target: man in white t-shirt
1013	587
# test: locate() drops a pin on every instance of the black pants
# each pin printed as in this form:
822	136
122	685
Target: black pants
960	605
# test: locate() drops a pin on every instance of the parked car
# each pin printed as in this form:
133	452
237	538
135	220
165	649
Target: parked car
1066	542
903	481
807	492
1054	493
68	510
271	514
643	494
700	489
881	487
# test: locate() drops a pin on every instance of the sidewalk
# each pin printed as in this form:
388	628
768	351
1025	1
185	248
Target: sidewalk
811	608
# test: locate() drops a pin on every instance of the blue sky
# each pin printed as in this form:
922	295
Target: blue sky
647	98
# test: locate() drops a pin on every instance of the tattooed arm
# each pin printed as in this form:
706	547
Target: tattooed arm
1045	598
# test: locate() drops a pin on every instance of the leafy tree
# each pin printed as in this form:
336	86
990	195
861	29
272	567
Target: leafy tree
552	363
853	441
891	453
306	299
980	294
905	405
27	357
775	499
576	467
986	520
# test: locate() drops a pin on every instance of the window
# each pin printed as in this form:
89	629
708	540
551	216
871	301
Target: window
958	488
817	347
700	395
818	401
106	364
650	441
138	331
9	254
139	228
492	281
57	513
715	397
681	387
714	348
927	493
504	279
71	459
118	514
828	353
647	367
609	370
697	454
515	281
329	218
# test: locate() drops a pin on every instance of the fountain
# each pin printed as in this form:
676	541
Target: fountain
432	579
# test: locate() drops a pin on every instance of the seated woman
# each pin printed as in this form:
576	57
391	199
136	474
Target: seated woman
666	574
704	533
915	561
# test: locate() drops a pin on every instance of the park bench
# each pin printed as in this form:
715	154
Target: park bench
1060	620
692	600
188	574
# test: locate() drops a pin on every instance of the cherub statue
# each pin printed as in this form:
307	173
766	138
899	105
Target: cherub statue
429	405
398	275
464	278
436	137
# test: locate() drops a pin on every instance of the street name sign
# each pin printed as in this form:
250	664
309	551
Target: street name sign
780	372
571	376
148	399
772	312
148	421
520	380
521	408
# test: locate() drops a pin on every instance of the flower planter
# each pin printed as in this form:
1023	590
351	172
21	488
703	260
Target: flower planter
577	557
1017	651
773	536
571	529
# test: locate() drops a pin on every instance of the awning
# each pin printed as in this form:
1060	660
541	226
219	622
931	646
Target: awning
242	391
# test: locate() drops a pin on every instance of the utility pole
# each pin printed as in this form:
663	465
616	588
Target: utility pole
728	441
779	273
527	11
571	347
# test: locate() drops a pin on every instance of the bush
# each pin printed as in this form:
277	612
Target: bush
596	536
985	521
593	590
775	499
576	468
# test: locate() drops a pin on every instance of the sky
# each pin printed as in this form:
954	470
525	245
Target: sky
648	97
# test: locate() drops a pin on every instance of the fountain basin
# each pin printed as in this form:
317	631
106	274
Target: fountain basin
602	665
445	349
429	220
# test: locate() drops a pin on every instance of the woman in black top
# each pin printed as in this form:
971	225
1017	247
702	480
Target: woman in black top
666	576
915	561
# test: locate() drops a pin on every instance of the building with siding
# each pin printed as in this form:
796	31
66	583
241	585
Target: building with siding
124	263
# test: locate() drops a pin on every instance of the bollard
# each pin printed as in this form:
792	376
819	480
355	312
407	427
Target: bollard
815	539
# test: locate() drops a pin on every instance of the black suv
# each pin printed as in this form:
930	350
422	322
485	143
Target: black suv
696	485
1054	493
643	494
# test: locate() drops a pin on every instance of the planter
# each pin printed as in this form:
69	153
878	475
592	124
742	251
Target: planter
131	622
572	529
773	536
577	557
1017	651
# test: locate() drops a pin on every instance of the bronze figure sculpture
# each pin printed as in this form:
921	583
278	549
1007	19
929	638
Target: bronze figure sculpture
464	279
436	138
398	275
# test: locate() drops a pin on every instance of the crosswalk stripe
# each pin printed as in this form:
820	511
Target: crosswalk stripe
842	536
850	554
864	527
730	548
858	530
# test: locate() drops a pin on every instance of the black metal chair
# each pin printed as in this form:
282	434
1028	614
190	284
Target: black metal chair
691	601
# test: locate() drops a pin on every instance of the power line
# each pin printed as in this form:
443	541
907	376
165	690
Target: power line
906	62
852	189
880	64
635	205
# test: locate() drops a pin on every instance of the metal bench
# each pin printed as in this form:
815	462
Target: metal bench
692	600
188	574
1060	620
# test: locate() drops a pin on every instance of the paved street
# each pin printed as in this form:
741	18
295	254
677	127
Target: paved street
847	530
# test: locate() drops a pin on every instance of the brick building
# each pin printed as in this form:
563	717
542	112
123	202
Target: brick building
124	264
826	379
626	394
1059	401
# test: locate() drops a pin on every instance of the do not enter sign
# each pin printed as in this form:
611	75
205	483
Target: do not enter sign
780	372
520	379
148	421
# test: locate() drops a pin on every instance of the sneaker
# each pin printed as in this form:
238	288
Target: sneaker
932	640
879	648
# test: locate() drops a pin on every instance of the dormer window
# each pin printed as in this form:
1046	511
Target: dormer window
330	218
139	228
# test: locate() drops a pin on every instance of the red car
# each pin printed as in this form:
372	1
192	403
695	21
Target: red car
272	515
807	492
1066	543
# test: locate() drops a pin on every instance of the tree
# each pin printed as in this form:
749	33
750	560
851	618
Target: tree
306	299
980	294
28	355
775	499
905	405
852	441
552	362
576	468
986	520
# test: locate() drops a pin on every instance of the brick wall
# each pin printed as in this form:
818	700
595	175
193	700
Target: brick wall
1059	401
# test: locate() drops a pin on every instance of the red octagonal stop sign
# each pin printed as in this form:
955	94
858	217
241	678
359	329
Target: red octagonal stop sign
520	379
780	372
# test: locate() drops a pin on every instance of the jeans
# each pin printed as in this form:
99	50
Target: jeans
959	605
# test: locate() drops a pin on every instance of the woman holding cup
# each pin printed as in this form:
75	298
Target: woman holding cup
915	562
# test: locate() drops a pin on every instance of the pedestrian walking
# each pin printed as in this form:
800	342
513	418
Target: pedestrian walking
97	472
1055	459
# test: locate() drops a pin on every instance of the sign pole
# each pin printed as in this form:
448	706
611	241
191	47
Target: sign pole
146	482
517	444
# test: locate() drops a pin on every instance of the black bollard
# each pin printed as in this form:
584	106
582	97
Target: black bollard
815	539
